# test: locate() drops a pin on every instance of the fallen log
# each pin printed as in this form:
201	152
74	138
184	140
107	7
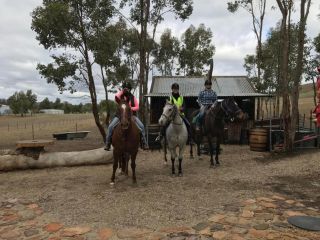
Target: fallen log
11	161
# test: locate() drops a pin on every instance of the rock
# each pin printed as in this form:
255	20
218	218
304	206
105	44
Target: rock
268	205
216	227
133	233
217	218
219	235
247	214
53	227
200	226
262	226
105	233
73	231
30	232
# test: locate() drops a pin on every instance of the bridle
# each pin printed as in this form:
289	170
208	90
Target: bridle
172	115
229	113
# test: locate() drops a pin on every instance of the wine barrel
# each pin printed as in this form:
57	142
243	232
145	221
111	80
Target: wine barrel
258	139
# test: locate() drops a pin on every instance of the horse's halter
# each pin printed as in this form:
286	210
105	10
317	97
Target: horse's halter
228	112
173	114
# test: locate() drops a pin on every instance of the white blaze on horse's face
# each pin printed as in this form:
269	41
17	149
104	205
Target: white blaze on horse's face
166	114
123	106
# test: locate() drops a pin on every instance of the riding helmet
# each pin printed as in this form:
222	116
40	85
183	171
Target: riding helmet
175	86
126	85
207	82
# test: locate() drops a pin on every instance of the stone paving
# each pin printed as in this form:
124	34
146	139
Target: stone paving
260	218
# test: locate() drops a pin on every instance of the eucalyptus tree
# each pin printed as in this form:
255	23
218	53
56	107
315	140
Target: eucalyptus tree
151	13
257	9
196	48
290	108
167	53
66	28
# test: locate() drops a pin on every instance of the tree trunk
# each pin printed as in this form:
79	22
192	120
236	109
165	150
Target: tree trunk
105	85
142	58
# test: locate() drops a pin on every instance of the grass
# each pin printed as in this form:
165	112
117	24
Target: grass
16	128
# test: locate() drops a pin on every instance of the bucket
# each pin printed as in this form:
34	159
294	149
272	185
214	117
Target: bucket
258	139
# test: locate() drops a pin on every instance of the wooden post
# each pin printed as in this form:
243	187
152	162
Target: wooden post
8	127
32	132
76	127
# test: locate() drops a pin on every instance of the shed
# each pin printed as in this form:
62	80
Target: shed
52	111
5	110
225	86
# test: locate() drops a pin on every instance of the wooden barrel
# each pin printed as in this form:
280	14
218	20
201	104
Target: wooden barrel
258	139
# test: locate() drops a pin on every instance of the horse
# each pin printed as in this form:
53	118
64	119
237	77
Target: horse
176	133
214	122
125	142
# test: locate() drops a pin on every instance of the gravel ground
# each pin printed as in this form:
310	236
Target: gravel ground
81	195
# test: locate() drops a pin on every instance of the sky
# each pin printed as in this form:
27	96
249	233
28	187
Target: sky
233	39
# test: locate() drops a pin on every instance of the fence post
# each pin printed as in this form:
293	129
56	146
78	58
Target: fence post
32	132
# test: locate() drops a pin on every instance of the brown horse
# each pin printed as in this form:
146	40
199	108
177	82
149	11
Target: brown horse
125	142
214	122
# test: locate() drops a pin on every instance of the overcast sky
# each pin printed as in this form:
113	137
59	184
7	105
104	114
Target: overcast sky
232	36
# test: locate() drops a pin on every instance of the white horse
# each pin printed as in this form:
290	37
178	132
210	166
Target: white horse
176	133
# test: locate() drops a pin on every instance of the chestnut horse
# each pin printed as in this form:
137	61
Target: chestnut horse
125	142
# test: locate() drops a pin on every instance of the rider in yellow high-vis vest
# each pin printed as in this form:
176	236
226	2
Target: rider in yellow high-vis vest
178	100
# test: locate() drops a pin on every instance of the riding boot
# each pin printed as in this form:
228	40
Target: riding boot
108	146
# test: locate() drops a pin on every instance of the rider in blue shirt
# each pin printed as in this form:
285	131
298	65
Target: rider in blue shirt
205	99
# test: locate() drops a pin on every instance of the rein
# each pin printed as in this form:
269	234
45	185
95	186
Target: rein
172	117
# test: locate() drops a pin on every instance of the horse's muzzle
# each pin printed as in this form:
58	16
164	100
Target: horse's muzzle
125	125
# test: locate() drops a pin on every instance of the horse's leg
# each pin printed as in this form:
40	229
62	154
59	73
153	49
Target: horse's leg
218	150
115	166
181	150
211	151
191	150
173	157
165	151
126	163
133	167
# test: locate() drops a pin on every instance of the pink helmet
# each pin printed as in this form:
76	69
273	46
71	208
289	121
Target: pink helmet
318	69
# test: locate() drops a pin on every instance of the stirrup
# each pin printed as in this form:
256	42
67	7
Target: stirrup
158	139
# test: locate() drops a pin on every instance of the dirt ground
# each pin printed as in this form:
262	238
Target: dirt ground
81	195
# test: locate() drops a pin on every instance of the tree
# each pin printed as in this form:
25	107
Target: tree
144	12
21	102
66	25
166	54
257	11
195	51
290	109
45	104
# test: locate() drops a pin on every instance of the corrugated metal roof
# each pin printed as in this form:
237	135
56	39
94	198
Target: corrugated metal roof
191	86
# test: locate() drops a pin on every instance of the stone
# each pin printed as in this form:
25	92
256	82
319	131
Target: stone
30	232
206	231
133	233
219	234
264	216
10	235
293	213
265	199
33	206
53	227
262	226
239	230
268	205
277	197
105	233
73	231
248	202
231	220
244	221
156	236
236	237
176	229
258	233
200	226
290	201
217	218
216	227
247	214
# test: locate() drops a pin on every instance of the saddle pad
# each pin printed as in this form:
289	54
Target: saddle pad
305	222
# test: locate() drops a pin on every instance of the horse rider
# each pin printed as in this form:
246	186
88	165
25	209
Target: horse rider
177	100
206	98
126	94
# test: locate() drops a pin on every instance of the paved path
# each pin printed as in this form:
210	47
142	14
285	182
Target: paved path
260	218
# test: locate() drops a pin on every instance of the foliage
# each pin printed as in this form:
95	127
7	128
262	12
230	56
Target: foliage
167	52
196	49
21	102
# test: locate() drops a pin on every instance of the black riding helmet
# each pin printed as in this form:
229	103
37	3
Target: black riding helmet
175	86
207	82
126	85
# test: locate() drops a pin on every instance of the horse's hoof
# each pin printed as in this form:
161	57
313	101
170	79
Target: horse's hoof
191	157
212	166
173	175
112	184
218	164
180	175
